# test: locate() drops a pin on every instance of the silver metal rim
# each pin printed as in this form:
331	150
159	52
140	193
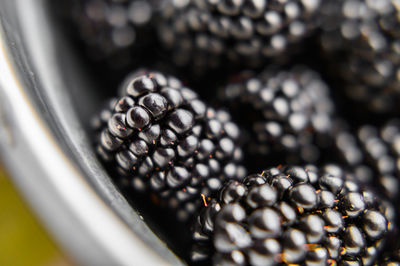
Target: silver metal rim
54	167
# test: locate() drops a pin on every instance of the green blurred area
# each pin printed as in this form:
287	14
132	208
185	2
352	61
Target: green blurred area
22	239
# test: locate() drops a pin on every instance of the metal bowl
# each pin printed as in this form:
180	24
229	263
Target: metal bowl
44	143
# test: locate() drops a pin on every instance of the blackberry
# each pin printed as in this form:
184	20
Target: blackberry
374	155
162	139
114	30
295	215
367	33
391	258
288	113
207	32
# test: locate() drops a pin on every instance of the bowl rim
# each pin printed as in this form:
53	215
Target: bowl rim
43	146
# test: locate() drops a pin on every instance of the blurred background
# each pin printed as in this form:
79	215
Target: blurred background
23	240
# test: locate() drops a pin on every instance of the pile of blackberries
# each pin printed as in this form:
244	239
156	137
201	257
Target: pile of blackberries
276	140
294	215
161	138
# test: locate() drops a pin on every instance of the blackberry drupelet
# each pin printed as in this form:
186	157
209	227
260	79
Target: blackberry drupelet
115	31
207	32
374	155
162	139
391	258
367	33
287	113
294	215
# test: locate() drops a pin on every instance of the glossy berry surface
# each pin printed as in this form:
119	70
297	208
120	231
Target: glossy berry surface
163	140
293	215
373	153
113	31
300	82
391	258
204	32
287	113
367	33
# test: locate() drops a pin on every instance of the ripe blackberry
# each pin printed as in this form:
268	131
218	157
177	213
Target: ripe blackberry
205	32
288	113
161	138
391	258
368	33
374	155
114	30
295	215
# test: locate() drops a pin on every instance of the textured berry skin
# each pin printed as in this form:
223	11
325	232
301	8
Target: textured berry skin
367	32
374	154
203	32
391	258
114	30
294	215
161	138
286	113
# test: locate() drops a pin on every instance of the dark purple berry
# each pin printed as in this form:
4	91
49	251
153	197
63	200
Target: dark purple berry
155	104
287	114
138	118
372	153
251	224
180	121
203	33
159	137
117	126
113	32
365	34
